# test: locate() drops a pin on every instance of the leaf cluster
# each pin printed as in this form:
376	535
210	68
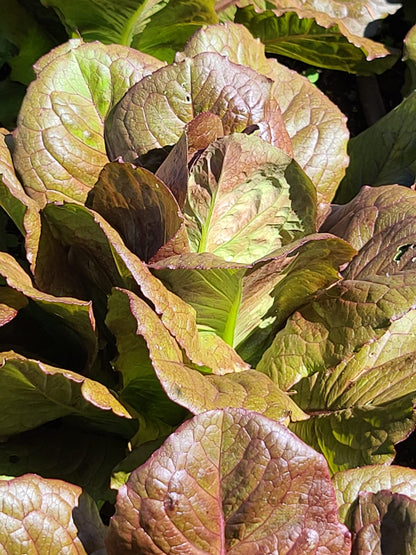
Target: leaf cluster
191	329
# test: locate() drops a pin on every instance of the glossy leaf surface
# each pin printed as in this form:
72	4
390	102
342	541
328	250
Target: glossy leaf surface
328	44
60	148
33	393
349	355
47	516
316	127
232	482
384	153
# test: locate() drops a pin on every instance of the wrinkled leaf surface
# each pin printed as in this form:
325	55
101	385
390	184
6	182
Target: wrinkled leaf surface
47	516
60	148
315	125
349	355
229	481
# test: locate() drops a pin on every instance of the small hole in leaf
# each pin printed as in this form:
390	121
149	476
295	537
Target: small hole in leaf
14	459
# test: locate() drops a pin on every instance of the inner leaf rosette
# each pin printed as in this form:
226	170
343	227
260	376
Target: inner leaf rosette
247	198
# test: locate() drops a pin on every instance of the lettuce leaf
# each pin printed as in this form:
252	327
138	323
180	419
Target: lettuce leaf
228	481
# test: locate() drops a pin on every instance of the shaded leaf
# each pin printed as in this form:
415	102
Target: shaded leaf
384	522
382	154
247	198
374	478
174	170
409	56
356	15
154	112
317	127
139	333
21	30
168	29
75	316
33	393
202	502
60	450
327	44
13	199
138	205
158	27
12	95
149	358
48	516
60	146
107	21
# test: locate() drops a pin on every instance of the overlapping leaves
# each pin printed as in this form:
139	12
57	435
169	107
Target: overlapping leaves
60	148
349	354
168	275
316	39
317	128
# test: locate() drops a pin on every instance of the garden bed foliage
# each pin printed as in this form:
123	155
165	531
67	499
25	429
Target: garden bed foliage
208	290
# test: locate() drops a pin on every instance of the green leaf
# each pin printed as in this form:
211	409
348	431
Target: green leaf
250	390
158	27
349	357
111	264
139	333
384	153
282	282
349	483
60	450
32	393
48	516
409	56
246	304
109	22
170	28
317	127
302	38
60	148
154	112
247	198
149	359
355	15
228	481
212	286
20	29
139	206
